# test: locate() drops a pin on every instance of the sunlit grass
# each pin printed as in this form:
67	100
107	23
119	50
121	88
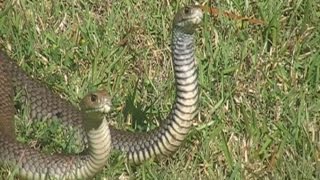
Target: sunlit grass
259	84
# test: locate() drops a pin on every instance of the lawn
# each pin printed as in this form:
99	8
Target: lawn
260	84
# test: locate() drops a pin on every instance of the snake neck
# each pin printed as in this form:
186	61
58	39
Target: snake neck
166	139
92	120
185	106
99	144
183	61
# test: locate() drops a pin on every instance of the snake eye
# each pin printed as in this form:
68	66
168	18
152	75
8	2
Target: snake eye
94	97
187	10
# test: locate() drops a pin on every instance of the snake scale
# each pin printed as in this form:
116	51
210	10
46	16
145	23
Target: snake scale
32	164
138	147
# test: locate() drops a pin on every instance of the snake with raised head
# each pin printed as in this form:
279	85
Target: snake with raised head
32	164
138	147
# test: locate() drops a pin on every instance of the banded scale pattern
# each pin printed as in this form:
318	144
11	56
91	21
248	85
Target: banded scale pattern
168	137
165	139
33	164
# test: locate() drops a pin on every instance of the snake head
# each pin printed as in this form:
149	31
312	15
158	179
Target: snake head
98	101
188	18
93	107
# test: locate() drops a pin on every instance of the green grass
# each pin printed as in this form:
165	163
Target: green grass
260	92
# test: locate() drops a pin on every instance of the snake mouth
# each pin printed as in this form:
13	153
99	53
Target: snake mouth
103	109
197	16
106	106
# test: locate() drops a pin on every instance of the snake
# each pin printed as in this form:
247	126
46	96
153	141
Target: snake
163	140
33	164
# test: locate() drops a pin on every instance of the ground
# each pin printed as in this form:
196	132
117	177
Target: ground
260	93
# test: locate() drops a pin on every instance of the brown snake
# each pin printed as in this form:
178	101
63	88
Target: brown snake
32	164
163	140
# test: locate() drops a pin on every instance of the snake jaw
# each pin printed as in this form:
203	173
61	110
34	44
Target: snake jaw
102	110
197	15
188	18
106	107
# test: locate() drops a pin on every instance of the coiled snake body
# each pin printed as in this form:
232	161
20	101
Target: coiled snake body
32	164
163	140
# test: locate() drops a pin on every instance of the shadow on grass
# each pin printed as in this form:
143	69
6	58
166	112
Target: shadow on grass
136	112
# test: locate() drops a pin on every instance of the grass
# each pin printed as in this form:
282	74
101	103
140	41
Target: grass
260	93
